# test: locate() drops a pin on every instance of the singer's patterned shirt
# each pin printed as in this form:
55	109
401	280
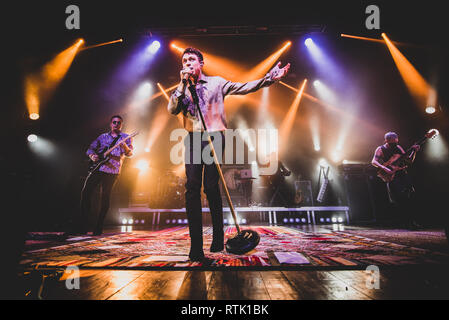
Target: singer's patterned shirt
114	165
211	93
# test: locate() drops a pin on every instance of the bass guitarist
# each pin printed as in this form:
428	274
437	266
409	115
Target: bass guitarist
399	186
106	174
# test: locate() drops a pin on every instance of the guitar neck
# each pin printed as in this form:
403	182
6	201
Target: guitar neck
117	145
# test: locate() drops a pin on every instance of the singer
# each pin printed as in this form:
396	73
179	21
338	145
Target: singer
211	91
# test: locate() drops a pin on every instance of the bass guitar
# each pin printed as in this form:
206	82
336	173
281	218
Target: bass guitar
400	162
103	157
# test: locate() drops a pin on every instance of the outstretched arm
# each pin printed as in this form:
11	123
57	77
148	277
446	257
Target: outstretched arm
271	77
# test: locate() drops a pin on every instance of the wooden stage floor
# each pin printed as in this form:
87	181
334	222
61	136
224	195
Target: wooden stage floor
395	282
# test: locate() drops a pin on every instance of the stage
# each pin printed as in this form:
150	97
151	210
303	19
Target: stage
306	262
324	125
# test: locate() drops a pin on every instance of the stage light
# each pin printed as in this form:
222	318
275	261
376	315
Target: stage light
154	47
291	220
308	42
436	132
179	221
288	121
173	221
340	219
225	221
142	165
34	116
336	156
285	220
430	110
40	86
323	163
345	161
147	149
101	44
263	67
32	138
321	219
142	221
325	92
415	82
297	220
328	220
187	221
167	221
124	221
130	221
334	220
243	220
317	148
303	220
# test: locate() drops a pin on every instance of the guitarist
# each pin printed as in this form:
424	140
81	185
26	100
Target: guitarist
400	189
106	175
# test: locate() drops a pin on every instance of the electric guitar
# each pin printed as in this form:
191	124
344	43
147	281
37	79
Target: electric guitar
400	162
103	157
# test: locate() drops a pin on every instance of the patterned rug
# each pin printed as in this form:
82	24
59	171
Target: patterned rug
279	247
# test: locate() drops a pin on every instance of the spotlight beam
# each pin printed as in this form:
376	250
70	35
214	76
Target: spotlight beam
423	93
287	123
263	67
40	86
101	44
364	38
163	92
343	113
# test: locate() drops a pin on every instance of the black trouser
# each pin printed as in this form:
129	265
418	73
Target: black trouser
401	193
194	173
106	181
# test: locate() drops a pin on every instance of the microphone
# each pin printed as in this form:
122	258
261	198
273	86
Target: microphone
186	77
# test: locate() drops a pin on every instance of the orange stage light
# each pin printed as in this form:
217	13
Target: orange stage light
348	116
101	44
158	124
163	91
262	68
287	123
40	86
423	93
156	95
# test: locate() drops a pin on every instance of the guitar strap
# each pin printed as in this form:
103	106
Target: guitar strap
112	144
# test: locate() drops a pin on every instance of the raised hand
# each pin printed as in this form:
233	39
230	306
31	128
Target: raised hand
277	73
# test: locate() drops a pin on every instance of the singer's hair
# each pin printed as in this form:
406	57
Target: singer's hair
116	116
195	52
390	136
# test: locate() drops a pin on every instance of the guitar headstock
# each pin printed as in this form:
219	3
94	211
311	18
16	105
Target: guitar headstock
432	133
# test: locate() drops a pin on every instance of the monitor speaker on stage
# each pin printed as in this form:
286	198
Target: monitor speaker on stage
366	194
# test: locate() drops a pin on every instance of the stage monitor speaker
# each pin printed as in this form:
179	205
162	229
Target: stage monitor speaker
360	200
366	193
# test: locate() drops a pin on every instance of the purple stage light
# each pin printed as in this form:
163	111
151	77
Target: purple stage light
308	42
154	47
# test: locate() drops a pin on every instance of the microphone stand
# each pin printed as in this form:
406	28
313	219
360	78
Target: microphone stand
192	89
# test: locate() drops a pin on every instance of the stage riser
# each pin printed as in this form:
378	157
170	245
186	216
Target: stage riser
245	218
